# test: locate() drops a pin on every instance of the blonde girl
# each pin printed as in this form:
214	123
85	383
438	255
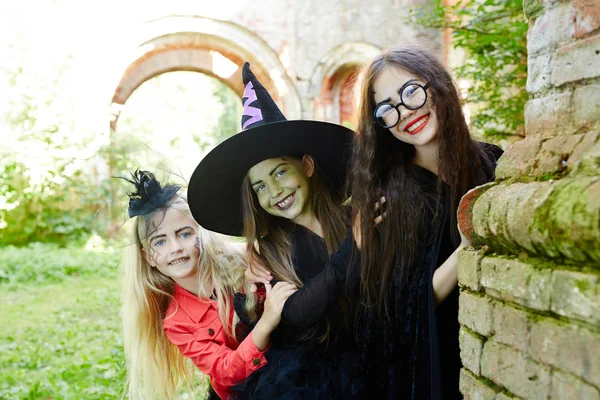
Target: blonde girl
179	282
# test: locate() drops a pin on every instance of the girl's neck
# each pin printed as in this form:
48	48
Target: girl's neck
427	156
310	222
190	284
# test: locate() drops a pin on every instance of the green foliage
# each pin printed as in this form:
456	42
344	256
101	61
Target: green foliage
56	209
62	341
47	190
42	263
493	35
61	335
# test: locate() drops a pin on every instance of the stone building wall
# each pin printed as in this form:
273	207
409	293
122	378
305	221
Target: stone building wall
303	51
530	284
307	33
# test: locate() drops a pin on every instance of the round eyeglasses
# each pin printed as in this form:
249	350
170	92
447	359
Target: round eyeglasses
412	96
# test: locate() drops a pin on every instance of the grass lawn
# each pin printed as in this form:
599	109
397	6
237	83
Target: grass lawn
62	341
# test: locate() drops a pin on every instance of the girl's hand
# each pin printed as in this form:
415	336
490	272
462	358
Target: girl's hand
357	221
256	273
275	301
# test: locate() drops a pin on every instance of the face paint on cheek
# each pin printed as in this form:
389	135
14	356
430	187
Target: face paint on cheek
197	245
153	255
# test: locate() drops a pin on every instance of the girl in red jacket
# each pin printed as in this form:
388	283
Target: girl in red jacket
179	282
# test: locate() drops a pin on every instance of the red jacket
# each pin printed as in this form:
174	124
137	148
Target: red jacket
193	325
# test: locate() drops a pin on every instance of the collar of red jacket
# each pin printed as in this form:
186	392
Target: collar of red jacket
192	305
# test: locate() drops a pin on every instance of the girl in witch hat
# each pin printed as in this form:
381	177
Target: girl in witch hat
413	146
280	184
179	284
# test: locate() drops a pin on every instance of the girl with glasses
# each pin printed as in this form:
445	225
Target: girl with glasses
414	148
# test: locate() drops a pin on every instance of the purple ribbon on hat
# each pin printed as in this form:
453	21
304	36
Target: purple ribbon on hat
253	112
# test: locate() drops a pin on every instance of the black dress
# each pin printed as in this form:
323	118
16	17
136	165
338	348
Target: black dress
415	353
299	365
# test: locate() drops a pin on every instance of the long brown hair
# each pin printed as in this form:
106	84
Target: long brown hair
268	237
381	165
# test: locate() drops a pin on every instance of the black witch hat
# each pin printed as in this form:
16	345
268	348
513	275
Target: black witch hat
214	192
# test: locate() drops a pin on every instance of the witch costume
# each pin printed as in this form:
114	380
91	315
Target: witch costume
299	365
415	354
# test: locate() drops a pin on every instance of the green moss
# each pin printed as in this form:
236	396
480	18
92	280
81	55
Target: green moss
532	8
584	285
556	220
564	225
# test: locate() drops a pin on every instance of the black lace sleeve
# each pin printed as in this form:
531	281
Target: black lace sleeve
493	153
309	304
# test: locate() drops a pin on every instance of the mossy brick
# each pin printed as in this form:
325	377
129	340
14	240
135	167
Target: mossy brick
533	8
518	159
550	116
569	347
515	371
511	327
553	28
576	295
497	216
589	163
577	61
566	386
554	218
583	147
471	346
586	222
502	396
539	72
475	312
516	281
480	213
568	219
571	218
554	154
586	105
469	272
587	16
526	200
538	225
474	389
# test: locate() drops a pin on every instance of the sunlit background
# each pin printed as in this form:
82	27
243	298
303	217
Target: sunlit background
60	65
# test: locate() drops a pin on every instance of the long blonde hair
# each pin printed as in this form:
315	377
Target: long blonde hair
156	368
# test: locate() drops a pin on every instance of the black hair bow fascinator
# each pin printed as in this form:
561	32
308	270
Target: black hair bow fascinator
149	194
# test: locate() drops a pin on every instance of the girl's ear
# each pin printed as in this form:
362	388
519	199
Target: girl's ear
309	165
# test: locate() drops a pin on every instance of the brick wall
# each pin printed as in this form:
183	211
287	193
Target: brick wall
530	284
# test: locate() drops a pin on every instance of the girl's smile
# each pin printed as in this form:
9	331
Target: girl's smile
417	125
179	260
286	203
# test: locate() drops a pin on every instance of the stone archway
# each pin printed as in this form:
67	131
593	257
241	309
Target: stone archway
213	47
193	43
332	84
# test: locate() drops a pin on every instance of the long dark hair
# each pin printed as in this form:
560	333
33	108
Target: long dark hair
268	237
381	165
